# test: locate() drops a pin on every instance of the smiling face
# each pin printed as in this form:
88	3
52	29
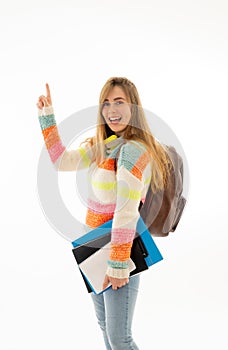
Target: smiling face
116	110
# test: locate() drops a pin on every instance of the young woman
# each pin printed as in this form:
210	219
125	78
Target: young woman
117	187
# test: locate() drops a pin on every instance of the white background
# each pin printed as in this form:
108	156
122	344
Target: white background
176	52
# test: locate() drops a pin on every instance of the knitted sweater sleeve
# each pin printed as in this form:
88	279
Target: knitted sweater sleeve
133	177
61	158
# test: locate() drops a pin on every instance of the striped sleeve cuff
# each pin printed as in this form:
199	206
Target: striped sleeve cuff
45	111
117	273
118	264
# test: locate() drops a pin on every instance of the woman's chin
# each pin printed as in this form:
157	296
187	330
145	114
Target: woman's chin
117	128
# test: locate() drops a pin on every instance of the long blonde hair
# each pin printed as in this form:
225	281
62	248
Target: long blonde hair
137	130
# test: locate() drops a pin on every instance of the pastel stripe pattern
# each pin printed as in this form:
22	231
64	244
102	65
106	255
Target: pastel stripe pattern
122	235
118	264
50	133
148	180
51	136
84	156
98	207
98	213
120	252
128	156
140	165
134	160
94	219
56	150
116	187
46	121
46	132
130	194
108	164
104	185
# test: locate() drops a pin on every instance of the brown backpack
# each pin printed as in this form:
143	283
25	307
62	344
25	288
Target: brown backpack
162	210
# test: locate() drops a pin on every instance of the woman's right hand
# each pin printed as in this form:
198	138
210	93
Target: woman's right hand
45	101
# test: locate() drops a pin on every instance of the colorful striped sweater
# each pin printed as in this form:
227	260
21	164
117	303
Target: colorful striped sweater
116	186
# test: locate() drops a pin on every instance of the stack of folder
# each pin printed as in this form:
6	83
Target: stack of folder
91	252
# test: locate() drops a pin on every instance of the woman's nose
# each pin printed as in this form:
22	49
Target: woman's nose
112	108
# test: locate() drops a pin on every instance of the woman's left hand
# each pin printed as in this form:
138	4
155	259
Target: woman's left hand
45	101
115	282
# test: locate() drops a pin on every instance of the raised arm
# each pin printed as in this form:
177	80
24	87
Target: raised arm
61	158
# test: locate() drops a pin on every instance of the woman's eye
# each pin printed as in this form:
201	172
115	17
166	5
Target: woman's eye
108	104
119	103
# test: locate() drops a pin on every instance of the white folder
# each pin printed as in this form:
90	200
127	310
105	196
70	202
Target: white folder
95	266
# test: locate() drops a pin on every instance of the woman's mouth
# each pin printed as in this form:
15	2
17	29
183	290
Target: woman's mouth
114	120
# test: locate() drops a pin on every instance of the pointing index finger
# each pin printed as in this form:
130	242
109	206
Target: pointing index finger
48	92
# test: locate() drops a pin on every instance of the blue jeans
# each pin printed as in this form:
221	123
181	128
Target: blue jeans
114	311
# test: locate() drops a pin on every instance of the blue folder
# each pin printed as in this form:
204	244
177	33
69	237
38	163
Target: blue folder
143	245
